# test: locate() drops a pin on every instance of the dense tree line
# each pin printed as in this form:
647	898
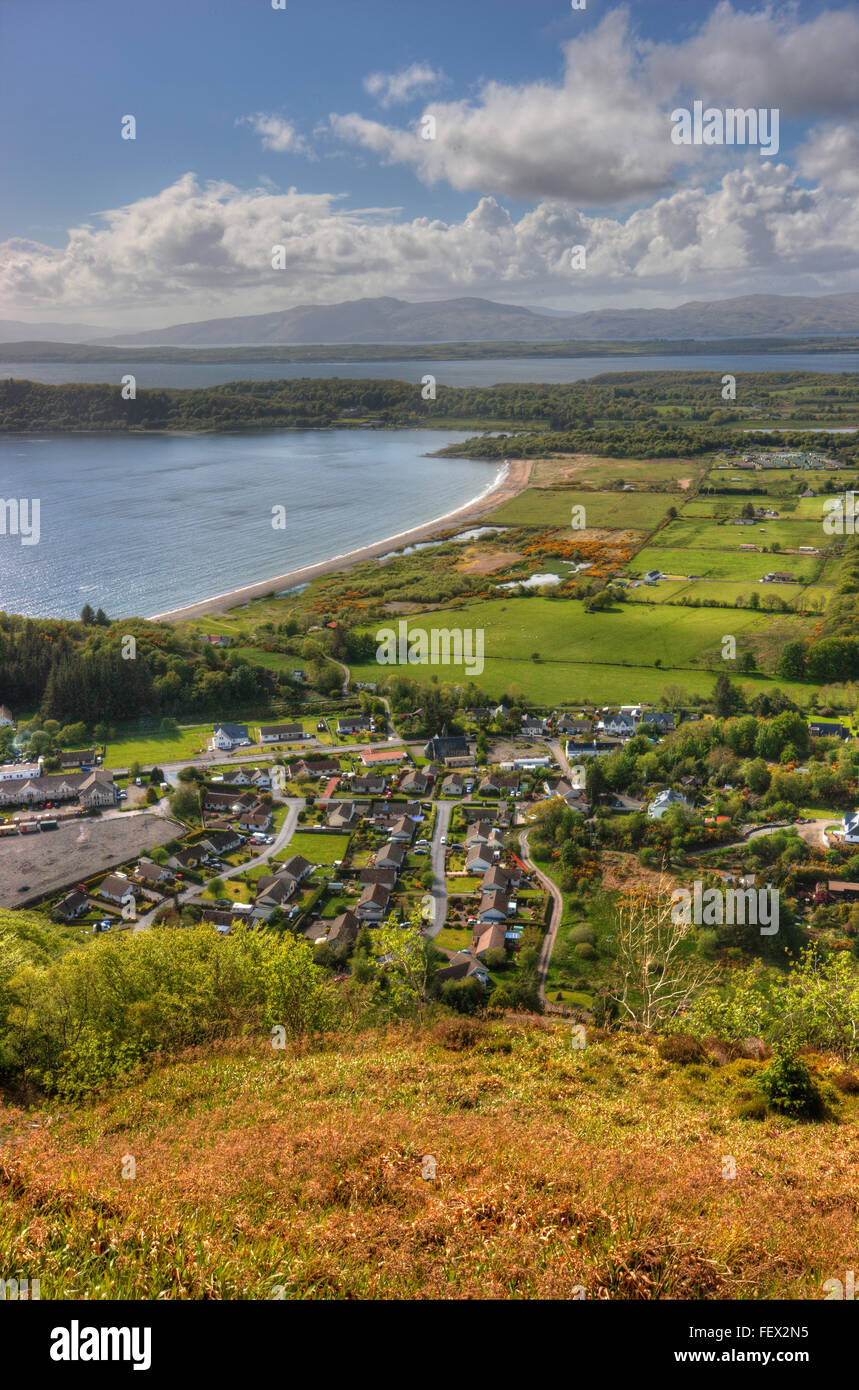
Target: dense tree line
78	671
661	412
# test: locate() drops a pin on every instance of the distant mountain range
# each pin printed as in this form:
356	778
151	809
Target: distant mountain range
465	319
13	331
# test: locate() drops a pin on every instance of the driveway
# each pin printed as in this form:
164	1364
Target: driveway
555	920
438	859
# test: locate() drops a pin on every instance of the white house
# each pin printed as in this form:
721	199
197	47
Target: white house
850	828
663	801
117	889
619	725
229	736
20	771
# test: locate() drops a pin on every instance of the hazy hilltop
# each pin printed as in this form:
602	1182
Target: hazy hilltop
308	1173
15	331
389	320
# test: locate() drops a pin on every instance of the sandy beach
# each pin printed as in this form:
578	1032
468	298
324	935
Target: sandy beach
514	480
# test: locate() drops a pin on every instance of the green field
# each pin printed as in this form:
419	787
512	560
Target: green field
643	473
701	534
811	598
317	849
636	511
158	748
728	564
637	635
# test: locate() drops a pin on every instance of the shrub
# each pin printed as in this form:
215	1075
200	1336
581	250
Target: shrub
457	1034
753	1109
585	951
788	1087
847	1082
582	933
681	1048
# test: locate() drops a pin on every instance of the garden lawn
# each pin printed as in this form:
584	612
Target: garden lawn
316	849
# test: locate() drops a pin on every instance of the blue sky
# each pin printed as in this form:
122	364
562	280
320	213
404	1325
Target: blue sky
553	130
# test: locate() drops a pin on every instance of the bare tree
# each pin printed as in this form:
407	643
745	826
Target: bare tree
658	971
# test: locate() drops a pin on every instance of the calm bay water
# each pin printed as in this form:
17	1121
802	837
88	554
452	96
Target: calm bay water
465	373
142	524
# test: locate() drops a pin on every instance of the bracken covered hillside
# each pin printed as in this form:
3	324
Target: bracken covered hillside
298	1174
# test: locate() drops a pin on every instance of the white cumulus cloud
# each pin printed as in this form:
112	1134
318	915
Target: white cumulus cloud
389	88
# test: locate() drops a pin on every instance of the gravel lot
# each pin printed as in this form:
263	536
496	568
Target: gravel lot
34	865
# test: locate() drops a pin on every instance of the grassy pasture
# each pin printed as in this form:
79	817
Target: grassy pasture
157	748
638	511
813	597
699	534
727	564
638	635
604	472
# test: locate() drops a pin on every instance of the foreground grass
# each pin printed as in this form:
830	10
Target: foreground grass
264	1174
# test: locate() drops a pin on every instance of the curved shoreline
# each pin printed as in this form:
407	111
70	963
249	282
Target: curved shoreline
512	479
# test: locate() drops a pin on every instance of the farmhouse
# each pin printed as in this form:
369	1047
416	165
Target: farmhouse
574	728
533	726
619	725
229	736
73	905
319	767
221	841
490	938
117	889
355	724
281	733
820	729
479	859
297	868
391	856
402	829
373	903
463	966
189	858
660	721
344	815
371	757
494	906
663	802
151	873
416	782
343	930
850	827
274	892
368	785
228	803
78	757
